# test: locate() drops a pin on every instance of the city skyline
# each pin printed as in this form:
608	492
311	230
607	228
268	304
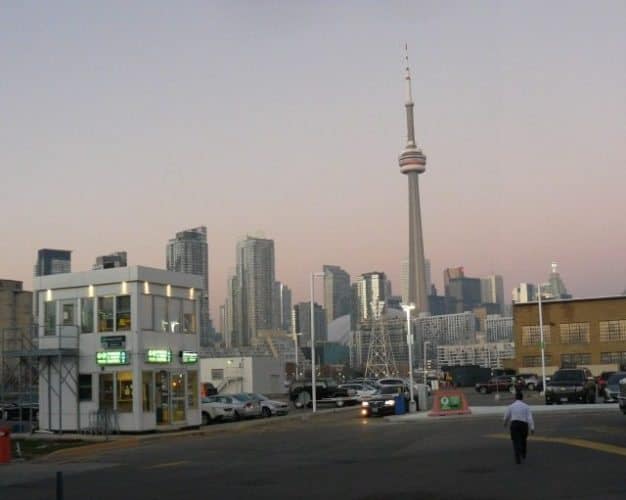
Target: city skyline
522	118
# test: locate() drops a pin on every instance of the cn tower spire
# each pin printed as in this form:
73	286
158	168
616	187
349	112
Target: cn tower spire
412	163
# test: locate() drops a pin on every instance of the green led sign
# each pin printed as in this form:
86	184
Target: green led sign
159	356
104	358
189	356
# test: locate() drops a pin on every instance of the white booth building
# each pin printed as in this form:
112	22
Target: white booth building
118	347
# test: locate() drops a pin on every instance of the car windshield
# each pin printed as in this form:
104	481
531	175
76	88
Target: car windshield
391	389
616	377
566	375
258	396
242	397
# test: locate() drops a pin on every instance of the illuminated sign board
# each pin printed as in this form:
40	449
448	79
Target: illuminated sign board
113	341
189	356
104	358
159	356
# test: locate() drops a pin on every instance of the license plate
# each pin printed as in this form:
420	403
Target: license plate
563	400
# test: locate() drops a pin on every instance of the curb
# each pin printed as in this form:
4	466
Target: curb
133	441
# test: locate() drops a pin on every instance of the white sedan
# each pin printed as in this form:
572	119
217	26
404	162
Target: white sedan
215	408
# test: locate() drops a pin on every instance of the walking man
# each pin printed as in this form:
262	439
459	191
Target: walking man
520	418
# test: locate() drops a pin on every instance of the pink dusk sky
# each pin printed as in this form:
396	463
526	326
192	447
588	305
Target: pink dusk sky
125	122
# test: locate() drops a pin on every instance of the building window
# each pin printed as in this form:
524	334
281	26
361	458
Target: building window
50	318
536	360
531	335
178	396
85	387
86	315
160	314
146	312
105	314
124	391
174	314
574	333
67	312
189	317
146	383
612	357
192	389
105	398
217	373
576	359
613	331
122	312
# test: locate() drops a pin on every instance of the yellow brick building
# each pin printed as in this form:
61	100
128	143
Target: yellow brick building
577	332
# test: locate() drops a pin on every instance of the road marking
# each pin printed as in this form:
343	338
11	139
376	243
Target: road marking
168	464
581	443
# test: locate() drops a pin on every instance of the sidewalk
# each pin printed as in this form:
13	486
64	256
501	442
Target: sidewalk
493	411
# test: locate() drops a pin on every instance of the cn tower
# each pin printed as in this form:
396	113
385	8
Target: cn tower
412	163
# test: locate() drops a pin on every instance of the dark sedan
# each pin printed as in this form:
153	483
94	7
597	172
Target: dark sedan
384	401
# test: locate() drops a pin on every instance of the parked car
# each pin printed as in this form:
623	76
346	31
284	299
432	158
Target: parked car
300	392
216	408
621	398
602	380
571	385
384	401
611	390
245	406
360	389
269	407
501	383
530	380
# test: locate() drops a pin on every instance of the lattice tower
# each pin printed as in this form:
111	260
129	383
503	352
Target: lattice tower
380	359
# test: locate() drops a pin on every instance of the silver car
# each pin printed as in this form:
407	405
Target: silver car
216	408
270	407
244	406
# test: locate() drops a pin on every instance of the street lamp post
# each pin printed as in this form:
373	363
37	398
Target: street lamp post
543	351
409	340
313	374
295	341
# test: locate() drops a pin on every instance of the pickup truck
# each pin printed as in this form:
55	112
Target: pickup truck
326	391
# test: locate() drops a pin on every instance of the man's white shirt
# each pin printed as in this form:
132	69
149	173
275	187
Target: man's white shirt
519	411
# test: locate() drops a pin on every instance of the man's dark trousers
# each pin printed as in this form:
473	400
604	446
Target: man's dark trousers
519	434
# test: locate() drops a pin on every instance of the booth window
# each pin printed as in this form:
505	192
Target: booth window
174	314
146	390
122	312
146	312
189	318
192	389
124	391
86	315
106	391
105	314
160	314
85	387
50	318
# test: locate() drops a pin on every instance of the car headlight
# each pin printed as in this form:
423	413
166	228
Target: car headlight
390	402
549	389
365	404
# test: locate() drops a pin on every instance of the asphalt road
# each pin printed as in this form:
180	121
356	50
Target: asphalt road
340	455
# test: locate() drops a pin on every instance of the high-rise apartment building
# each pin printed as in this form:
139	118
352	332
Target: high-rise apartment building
188	253
369	287
492	291
464	294
114	259
301	322
282	307
525	292
337	292
253	304
51	261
